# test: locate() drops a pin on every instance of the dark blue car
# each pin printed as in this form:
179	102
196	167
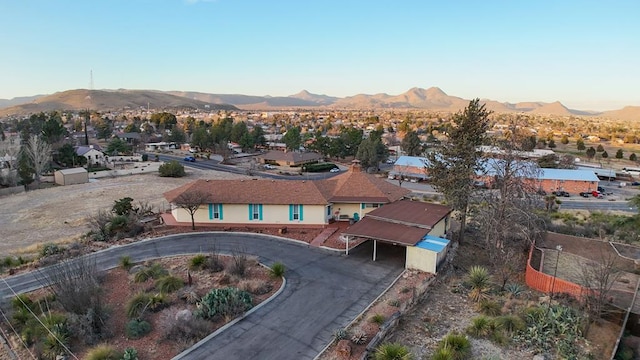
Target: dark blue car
190	159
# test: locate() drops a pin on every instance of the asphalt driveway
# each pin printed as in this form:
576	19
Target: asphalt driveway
324	291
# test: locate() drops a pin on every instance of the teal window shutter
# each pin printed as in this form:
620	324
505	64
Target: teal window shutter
290	212
260	212
210	211
301	213
362	206
250	211
220	210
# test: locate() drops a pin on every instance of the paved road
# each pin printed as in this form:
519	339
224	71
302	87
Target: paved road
324	291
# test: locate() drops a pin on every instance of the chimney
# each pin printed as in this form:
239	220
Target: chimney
355	165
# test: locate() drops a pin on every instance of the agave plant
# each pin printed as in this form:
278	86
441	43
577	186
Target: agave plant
479	280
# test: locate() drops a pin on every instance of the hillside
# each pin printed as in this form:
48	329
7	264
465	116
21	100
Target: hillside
108	100
432	98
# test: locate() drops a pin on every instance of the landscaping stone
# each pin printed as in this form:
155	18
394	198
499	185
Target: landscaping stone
344	349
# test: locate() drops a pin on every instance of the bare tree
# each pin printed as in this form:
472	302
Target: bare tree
598	277
191	201
506	214
38	152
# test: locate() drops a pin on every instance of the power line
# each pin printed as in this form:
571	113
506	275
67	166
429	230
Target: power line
39	321
17	335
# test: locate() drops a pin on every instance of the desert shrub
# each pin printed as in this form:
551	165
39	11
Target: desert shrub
56	340
480	326
198	262
443	353
189	295
392	351
239	264
359	337
90	327
137	328
377	319
169	284
340	334
153	271
489	307
479	281
254	286
277	269
458	343
130	354
171	169
215	263
226	302
511	323
141	302
184	329
49	249
394	302
514	289
125	262
104	352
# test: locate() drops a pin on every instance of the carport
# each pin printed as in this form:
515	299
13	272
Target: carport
418	226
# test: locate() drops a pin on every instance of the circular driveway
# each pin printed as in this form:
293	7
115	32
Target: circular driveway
324	291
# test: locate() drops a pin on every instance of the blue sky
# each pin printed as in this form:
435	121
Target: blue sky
582	53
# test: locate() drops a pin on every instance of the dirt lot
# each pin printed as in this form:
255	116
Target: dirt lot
61	213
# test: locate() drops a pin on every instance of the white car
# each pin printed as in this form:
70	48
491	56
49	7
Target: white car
334	170
269	167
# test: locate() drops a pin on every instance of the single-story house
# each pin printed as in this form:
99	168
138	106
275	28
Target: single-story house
163	145
93	154
410	168
264	202
71	176
289	158
419	226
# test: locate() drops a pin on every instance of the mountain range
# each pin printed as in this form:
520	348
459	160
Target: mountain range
415	98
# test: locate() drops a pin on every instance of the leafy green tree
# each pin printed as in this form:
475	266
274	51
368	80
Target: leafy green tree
351	139
605	155
177	135
257	136
633	157
411	144
118	147
292	138
131	127
201	138
371	151
580	144
564	140
164	120
171	169
591	152
67	157
123	206
246	142
600	148
453	164
238	131
104	128
619	154
548	161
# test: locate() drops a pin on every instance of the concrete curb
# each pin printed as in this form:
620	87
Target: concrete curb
232	322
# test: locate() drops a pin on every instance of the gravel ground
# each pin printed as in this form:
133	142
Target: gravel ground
61	213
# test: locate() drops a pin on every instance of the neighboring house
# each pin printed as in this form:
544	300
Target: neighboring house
410	168
262	202
419	226
161	146
130	138
289	158
71	176
93	154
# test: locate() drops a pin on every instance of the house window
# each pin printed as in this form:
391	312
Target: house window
215	211
370	205
296	212
255	211
328	210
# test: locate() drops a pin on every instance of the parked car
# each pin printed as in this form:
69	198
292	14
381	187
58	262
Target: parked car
596	194
269	167
561	193
190	159
601	189
334	170
635	183
585	194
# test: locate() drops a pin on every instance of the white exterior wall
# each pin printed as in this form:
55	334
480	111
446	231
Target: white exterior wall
239	214
421	259
347	209
439	229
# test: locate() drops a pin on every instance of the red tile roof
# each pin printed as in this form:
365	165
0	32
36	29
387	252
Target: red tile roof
385	231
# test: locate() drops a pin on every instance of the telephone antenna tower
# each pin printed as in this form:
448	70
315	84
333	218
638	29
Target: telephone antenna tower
91	80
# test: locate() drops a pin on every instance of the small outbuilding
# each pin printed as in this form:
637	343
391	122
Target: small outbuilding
428	254
71	176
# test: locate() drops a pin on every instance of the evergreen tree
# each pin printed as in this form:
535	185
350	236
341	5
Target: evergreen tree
411	144
619	154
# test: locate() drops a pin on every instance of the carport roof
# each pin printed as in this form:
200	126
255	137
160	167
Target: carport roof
387	231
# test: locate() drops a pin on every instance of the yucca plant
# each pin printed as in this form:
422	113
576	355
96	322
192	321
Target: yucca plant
479	281
377	319
444	353
511	323
277	269
392	351
198	262
359	337
459	343
126	262
169	284
103	352
480	326
489	307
